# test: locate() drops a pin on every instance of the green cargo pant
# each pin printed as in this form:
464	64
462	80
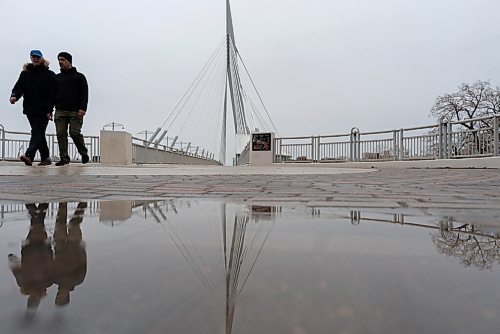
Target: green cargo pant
63	119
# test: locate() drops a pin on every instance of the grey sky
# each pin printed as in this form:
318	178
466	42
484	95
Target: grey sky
321	66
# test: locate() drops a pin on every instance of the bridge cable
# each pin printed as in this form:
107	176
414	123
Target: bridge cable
195	81
199	95
192	92
260	98
212	101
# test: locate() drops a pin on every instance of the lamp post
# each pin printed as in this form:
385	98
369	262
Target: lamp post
112	125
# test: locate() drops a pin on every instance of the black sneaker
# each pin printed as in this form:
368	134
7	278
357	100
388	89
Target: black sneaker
27	161
85	158
45	162
62	162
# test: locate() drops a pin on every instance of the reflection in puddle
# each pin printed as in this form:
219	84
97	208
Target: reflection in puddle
242	244
467	243
474	245
190	266
43	263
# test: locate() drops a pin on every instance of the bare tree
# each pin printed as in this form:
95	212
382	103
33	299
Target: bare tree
470	101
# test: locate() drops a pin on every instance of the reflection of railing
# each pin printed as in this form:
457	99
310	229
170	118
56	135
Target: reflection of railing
447	139
356	217
8	209
14	143
471	244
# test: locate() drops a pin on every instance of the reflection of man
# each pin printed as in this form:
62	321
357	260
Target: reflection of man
70	260
34	272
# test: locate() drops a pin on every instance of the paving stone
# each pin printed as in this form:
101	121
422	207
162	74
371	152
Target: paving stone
412	189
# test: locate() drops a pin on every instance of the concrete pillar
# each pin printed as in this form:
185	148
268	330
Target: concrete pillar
116	148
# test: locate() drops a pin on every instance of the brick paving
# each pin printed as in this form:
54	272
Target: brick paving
450	189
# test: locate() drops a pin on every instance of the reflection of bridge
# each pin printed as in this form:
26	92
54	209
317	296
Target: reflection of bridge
223	268
243	231
197	228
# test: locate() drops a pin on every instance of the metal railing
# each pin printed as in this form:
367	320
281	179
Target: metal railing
244	157
144	151
445	140
14	143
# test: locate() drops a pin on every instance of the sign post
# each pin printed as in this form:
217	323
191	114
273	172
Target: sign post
262	151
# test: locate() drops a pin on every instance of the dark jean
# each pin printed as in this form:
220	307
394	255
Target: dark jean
38	142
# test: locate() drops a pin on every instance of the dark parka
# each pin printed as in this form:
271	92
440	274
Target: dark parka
35	85
71	91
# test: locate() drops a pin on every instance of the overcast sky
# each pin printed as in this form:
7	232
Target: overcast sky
321	66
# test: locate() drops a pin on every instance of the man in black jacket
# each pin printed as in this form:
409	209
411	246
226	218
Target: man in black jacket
70	97
34	85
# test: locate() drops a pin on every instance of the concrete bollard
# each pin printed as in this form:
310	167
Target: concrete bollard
116	148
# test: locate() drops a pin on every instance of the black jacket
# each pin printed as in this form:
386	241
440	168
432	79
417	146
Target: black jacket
71	92
35	84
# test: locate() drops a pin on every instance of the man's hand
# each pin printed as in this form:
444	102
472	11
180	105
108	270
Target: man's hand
12	99
81	113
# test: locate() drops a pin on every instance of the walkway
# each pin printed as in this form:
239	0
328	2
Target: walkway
313	185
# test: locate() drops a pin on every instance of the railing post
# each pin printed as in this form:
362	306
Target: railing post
354	143
443	138
98	151
281	150
275	150
449	142
358	146
401	145
318	141
495	135
351	147
3	141
313	151
440	140
395	145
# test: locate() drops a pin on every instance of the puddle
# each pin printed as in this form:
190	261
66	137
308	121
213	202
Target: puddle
206	266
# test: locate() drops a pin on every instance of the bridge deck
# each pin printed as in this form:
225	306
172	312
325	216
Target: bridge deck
449	189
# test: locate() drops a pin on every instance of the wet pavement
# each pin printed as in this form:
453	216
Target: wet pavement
211	266
308	249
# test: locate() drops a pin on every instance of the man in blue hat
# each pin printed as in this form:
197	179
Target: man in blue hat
35	86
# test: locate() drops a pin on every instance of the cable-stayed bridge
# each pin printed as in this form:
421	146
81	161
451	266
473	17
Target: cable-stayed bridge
198	130
200	118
